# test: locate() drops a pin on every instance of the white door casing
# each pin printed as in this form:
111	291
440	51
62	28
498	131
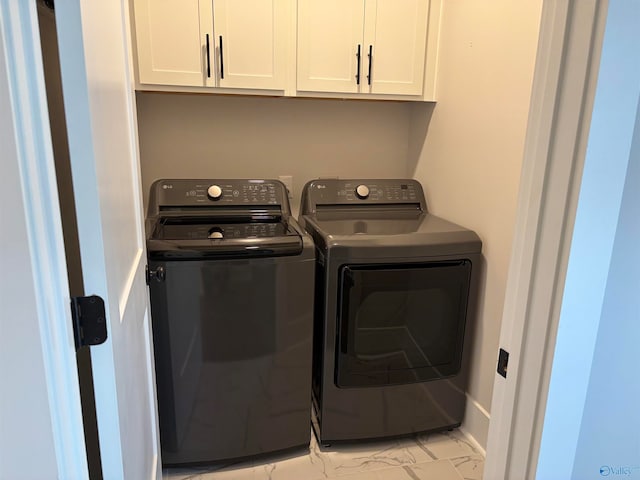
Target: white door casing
100	109
561	105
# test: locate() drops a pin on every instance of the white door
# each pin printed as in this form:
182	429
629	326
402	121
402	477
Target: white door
98	92
329	40
172	42
251	42
40	415
395	39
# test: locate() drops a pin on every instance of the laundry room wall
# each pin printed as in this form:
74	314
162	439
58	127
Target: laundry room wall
212	136
467	152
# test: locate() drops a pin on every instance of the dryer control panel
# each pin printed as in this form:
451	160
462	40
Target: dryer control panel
362	192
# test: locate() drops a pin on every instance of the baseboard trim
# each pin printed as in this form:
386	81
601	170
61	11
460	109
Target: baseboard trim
476	424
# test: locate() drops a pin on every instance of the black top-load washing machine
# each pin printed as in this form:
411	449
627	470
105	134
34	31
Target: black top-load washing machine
231	282
395	288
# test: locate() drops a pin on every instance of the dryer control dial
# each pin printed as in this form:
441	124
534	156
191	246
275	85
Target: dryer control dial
362	191
214	192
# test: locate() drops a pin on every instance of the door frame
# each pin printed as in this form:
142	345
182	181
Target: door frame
563	93
34	155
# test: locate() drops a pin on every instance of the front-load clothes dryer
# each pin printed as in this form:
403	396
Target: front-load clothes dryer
231	282
395	290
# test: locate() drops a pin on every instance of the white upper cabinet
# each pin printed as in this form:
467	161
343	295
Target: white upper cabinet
330	49
171	39
213	43
251	43
395	42
378	49
362	46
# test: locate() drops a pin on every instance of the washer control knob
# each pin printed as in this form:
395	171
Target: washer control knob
216	232
362	191
214	192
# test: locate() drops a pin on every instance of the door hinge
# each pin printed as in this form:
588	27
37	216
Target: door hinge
89	320
158	274
503	361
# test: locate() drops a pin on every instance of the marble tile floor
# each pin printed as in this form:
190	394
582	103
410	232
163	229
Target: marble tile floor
438	456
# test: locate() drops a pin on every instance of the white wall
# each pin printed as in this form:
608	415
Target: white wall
468	150
26	438
210	136
591	419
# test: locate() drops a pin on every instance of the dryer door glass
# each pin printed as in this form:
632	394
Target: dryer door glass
401	323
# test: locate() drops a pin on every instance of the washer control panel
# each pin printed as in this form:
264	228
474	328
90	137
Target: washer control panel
219	193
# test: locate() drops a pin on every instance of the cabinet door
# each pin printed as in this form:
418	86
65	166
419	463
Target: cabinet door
396	36
251	42
171	37
329	34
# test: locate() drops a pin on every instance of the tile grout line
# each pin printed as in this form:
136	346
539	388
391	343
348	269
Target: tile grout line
467	459
425	449
460	477
410	472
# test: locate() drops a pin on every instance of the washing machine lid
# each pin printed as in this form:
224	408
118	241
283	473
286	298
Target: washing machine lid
197	237
220	218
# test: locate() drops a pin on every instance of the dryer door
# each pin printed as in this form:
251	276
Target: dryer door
401	323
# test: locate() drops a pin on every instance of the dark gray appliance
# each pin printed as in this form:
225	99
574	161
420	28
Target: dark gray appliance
231	284
394	290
